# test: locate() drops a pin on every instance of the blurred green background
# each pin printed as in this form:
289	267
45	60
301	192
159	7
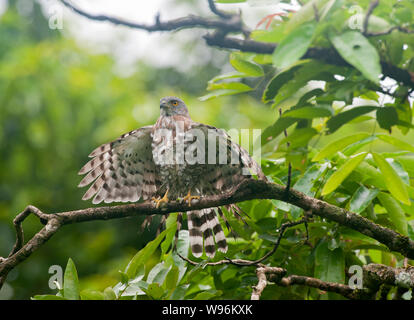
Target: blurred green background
57	103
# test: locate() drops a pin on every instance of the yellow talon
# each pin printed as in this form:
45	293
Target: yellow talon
161	200
189	197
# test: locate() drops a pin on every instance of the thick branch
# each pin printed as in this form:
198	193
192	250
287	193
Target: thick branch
247	190
375	276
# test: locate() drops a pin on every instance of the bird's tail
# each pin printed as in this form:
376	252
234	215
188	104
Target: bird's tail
205	224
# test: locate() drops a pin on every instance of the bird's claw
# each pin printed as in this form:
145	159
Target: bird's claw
189	197
158	201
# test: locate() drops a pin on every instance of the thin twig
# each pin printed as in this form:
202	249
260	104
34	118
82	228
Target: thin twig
218	12
373	4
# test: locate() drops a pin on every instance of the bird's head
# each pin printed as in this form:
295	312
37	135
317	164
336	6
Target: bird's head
171	106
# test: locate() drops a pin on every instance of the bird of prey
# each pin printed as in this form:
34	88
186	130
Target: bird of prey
176	158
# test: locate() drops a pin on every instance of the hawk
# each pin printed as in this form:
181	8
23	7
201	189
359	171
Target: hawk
176	158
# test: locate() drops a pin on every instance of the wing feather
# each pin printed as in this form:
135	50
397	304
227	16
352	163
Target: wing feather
122	170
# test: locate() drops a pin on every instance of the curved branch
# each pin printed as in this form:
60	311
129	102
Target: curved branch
374	277
247	190
232	23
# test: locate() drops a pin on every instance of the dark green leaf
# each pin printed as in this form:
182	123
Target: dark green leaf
344	117
359	52
387	117
362	198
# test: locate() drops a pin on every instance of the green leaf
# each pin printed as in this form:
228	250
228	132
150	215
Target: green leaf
359	52
280	79
249	68
47	297
230	1
158	273
362	198
262	209
319	111
387	117
89	294
299	137
354	147
277	128
235	86
294	45
226	76
154	291
71	282
109	294
340	119
305	185
224	89
341	173
172	278
338	145
395	212
402	145
143	255
209	294
171	221
393	181
329	264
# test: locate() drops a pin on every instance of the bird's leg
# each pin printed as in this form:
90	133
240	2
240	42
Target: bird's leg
161	200
189	197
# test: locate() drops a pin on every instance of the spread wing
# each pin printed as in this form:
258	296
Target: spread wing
122	170
232	165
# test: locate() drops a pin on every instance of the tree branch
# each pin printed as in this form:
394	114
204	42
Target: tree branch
374	276
247	190
232	23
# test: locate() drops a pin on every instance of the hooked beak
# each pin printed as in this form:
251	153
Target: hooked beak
163	105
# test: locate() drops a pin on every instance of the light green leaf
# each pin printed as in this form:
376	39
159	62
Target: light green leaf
172	278
158	273
154	291
338	145
311	112
109	294
299	137
393	181
396	142
341	173
47	297
395	212
249	68
359	52
89	294
206	295
362	198
71	282
294	45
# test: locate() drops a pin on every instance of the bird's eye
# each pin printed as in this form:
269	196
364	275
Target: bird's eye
174	103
